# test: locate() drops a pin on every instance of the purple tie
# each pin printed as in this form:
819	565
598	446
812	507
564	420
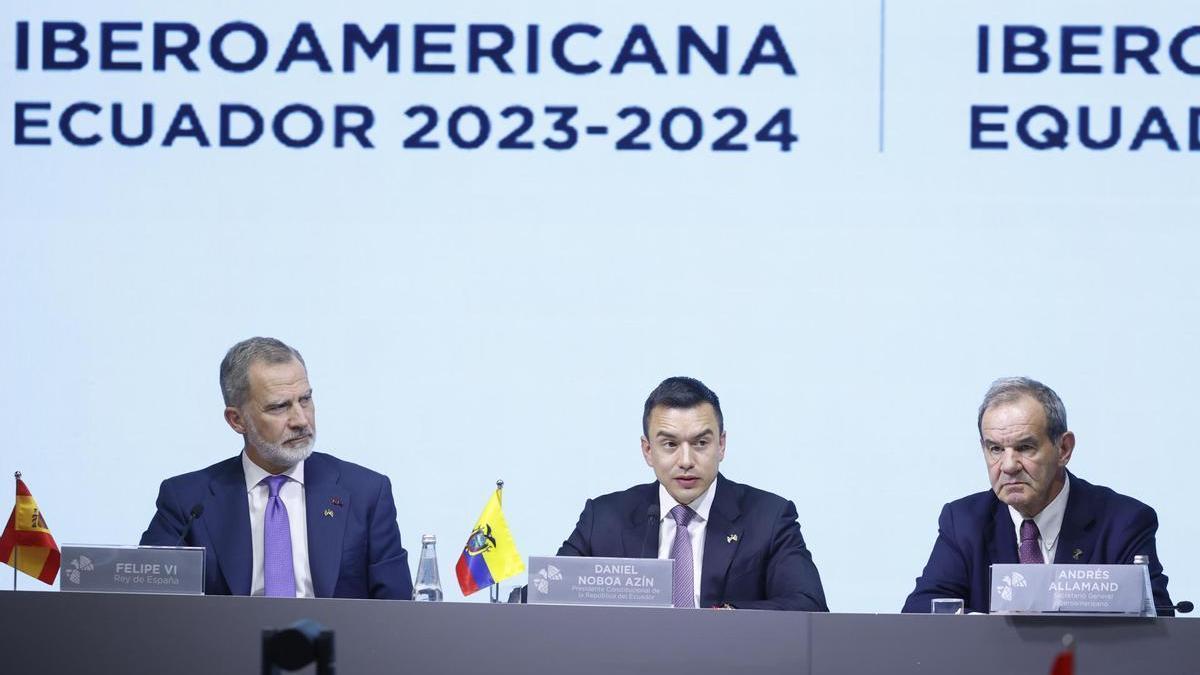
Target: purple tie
277	544
683	592
1029	552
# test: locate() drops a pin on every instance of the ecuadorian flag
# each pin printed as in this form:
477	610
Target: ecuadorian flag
490	555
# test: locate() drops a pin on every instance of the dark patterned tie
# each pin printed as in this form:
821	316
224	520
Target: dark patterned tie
1029	551
682	587
278	573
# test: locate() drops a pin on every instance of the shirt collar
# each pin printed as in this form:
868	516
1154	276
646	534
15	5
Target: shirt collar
701	505
1049	521
255	473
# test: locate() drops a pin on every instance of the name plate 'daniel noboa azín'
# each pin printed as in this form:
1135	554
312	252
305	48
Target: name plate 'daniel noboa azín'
629	582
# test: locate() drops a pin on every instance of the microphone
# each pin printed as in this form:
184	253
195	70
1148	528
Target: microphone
187	527
650	543
1183	607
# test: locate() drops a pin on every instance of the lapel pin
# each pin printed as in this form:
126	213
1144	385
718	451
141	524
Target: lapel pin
1077	553
328	513
336	501
731	538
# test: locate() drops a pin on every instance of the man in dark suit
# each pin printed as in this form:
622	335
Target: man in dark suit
733	545
1036	511
280	520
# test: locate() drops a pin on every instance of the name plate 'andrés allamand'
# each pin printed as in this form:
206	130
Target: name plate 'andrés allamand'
1121	590
629	582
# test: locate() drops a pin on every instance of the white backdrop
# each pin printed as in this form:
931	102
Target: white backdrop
469	315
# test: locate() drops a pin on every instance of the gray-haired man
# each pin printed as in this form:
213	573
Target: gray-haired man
1036	511
279	519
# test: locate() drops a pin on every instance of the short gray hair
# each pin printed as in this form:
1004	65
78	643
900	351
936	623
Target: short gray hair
235	367
1009	389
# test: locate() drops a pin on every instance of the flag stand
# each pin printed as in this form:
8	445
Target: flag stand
494	591
16	548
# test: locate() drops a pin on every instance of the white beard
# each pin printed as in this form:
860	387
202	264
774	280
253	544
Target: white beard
276	453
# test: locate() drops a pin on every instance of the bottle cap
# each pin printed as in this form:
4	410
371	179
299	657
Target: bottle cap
1141	560
428	539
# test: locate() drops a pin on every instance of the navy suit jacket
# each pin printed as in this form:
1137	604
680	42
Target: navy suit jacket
754	556
1099	526
355	553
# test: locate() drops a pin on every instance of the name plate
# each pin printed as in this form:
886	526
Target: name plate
172	570
1120	590
622	582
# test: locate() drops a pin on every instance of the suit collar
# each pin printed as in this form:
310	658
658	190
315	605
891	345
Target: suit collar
328	505
723	536
728	500
1077	533
1049	521
254	474
1001	536
701	505
321	468
227	521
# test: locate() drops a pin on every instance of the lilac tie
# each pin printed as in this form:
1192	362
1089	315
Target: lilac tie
277	544
683	592
1029	552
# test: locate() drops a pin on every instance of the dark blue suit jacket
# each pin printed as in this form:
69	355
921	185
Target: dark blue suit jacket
1099	526
766	566
356	553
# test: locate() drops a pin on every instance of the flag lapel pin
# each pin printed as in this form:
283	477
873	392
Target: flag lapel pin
1077	553
328	513
731	538
336	501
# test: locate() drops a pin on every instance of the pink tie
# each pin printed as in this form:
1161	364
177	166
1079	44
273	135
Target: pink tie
1029	551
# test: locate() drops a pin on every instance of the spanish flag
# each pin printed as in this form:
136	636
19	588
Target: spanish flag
27	539
490	555
1064	663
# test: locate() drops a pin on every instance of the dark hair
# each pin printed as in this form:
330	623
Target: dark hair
235	367
681	392
1009	389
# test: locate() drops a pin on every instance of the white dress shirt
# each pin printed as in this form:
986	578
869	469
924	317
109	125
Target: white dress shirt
1049	522
292	494
696	529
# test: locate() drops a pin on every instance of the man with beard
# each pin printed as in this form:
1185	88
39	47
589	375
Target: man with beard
280	520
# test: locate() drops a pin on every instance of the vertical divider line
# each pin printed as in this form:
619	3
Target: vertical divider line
882	62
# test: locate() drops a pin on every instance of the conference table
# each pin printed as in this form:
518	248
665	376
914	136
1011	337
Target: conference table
47	632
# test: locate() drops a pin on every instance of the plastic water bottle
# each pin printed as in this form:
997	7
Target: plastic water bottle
1148	608
428	586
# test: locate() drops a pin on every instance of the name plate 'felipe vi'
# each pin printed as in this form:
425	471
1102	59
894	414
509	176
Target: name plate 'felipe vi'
174	570
627	582
1120	590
